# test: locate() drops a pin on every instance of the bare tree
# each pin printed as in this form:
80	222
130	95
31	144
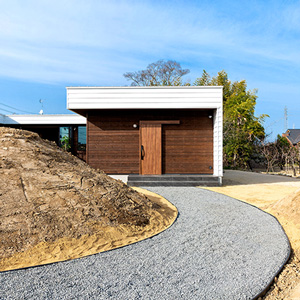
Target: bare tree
271	154
158	74
293	158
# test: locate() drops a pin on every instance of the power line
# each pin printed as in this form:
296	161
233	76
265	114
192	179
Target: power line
24	111
7	110
271	124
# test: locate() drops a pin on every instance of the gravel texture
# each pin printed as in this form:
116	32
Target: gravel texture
218	248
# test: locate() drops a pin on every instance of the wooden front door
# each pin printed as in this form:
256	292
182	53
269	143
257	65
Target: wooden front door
151	146
150	149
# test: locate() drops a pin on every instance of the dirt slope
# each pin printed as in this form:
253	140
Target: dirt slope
54	207
288	208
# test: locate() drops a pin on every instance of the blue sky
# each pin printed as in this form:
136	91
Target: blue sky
48	45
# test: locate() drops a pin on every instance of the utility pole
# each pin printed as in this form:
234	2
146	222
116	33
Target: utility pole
285	119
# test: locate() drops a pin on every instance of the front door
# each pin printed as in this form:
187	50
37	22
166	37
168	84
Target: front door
150	148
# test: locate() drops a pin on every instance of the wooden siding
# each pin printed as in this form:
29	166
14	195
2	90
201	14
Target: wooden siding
188	148
113	142
79	153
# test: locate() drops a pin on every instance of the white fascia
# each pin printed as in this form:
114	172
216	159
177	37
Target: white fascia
66	119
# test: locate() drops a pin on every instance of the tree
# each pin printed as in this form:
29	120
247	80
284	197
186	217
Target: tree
241	127
283	147
271	153
158	74
203	80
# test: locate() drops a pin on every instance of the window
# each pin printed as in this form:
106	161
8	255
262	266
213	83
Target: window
64	138
81	138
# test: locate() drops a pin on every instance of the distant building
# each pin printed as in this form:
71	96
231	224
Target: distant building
293	136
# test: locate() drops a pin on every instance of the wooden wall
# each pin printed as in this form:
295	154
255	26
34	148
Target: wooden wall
79	153
188	147
113	142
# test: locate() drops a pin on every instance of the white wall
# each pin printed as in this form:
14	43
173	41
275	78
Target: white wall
218	142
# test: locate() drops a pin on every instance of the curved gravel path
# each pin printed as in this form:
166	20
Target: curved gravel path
218	248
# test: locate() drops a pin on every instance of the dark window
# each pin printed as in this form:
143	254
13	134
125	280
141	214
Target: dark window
81	138
64	137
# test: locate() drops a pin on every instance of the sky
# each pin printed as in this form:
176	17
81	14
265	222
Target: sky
48	45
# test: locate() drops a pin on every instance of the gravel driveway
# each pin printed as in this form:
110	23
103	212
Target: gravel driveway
218	248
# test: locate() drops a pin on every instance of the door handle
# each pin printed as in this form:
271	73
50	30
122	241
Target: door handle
142	152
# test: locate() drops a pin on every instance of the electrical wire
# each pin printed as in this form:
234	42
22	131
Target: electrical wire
24	111
7	110
269	125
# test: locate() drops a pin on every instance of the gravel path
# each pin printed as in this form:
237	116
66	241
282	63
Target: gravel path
218	248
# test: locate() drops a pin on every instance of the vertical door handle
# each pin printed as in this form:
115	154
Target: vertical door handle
142	152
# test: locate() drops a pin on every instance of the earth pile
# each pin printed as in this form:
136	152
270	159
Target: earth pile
48	195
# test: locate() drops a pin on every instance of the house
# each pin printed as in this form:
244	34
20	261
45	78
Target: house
53	127
152	131
293	136
153	134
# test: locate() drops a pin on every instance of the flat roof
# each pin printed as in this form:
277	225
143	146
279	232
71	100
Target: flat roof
148	87
59	119
81	99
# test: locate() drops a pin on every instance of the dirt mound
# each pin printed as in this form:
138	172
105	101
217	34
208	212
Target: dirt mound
287	210
290	207
47	195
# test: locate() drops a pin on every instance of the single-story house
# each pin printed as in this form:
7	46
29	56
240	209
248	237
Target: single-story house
152	130
162	133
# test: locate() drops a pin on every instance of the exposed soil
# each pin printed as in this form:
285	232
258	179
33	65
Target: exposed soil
53	206
279	196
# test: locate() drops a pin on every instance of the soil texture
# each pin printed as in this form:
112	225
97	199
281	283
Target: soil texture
54	207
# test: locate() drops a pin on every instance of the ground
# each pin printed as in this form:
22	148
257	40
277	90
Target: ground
54	207
279	196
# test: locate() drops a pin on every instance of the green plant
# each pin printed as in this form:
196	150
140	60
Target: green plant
65	143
